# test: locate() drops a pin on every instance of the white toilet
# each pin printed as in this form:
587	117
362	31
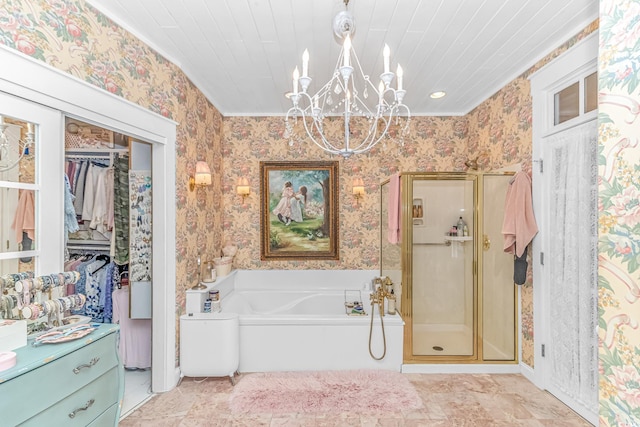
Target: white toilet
209	345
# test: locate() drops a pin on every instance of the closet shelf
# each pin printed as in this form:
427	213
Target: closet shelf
89	242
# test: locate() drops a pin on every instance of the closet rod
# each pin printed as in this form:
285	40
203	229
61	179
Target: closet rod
72	248
98	150
86	156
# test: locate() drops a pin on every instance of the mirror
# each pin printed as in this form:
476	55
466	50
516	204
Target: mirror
17	197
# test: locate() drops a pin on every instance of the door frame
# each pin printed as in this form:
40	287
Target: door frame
38	82
580	59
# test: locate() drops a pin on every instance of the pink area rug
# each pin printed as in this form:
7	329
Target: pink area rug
360	391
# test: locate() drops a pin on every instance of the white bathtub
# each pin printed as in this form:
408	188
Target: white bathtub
296	320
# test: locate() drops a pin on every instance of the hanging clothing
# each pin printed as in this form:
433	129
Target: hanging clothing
135	334
519	226
95	287
71	172
393	210
121	209
112	270
78	190
109	176
24	219
70	221
89	190
100	208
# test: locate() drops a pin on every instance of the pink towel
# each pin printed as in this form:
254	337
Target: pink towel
24	219
519	226
393	210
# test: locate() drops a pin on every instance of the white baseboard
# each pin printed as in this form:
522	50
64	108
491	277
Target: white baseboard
528	372
434	368
176	377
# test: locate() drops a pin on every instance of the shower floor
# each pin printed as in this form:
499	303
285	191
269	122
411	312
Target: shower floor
454	340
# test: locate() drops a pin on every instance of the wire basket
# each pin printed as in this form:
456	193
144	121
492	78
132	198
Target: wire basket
353	305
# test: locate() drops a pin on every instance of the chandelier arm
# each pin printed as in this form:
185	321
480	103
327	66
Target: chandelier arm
325	145
372	139
22	146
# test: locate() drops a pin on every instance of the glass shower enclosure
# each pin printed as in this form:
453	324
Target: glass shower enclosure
457	295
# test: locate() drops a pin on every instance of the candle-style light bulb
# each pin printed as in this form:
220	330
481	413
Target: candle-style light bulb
315	101
400	74
305	63
380	92
385	55
347	51
296	76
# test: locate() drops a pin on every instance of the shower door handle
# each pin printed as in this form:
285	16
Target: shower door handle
486	242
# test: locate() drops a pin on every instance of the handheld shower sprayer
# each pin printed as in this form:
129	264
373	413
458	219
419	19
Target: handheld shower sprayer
382	287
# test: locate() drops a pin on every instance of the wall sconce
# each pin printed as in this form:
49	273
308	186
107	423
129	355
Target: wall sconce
202	177
358	189
243	189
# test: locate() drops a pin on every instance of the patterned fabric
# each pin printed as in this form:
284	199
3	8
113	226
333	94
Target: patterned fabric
94	290
70	221
80	286
112	270
121	209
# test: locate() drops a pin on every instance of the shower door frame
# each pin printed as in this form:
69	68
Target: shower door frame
407	180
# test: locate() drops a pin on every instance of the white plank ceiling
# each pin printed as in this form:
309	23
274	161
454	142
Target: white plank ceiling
241	53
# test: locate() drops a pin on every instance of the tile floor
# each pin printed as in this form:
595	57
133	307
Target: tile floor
137	389
461	400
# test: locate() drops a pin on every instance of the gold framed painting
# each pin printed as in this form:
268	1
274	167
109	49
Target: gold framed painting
299	210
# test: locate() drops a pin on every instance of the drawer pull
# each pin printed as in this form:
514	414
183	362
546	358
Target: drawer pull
93	361
84	408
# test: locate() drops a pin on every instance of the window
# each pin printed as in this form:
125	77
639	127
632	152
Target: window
576	99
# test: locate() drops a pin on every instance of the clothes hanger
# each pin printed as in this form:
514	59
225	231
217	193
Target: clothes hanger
105	258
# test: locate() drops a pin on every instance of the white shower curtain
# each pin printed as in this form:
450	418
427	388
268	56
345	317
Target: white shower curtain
572	260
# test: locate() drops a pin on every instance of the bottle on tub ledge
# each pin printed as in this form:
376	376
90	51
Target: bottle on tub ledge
460	227
212	303
391	306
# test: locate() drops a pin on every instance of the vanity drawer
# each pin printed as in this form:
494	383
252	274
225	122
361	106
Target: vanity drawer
40	388
106	419
83	406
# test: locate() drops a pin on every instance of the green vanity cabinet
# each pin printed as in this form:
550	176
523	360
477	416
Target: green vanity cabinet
76	383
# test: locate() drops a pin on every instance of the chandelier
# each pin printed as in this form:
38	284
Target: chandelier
349	93
12	152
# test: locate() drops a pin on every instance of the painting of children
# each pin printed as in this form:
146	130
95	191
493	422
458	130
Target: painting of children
299	208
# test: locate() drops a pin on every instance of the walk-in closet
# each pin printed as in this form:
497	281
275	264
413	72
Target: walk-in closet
106	227
108	240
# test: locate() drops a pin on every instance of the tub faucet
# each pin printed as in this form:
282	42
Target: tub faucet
380	293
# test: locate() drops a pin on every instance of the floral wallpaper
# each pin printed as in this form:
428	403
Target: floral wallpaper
435	144
74	37
500	132
619	212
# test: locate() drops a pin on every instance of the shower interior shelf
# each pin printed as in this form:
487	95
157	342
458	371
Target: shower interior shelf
458	238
